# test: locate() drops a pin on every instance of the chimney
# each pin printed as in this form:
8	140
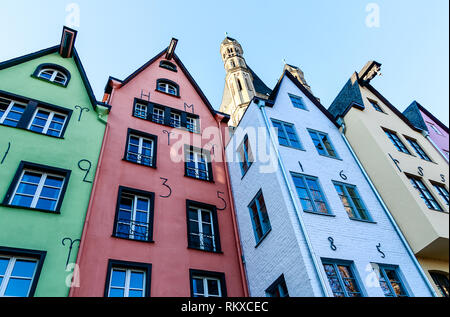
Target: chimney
171	48
67	44
369	71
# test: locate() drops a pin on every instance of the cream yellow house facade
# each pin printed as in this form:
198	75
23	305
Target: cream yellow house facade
410	175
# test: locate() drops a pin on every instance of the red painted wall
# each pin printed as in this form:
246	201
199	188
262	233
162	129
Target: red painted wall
169	255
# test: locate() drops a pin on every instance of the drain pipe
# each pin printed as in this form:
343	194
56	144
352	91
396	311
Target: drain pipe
427	136
261	105
386	210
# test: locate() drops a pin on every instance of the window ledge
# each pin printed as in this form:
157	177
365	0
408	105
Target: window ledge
207	251
166	93
332	157
51	136
167	125
319	213
200	179
151	166
291	147
56	212
263	238
136	240
362	220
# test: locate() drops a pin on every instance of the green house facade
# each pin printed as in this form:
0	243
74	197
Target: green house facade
51	131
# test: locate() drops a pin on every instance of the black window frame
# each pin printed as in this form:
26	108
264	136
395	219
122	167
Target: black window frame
418	149
425	198
146	267
31	106
437	276
168	65
138	192
207	153
396	141
55	67
35	254
439	187
376	105
42	169
215	223
170	82
145	135
202	273
278	282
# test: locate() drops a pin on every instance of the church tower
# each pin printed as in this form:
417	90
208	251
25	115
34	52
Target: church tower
241	83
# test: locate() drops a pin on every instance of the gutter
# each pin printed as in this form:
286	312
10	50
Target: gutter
387	212
261	105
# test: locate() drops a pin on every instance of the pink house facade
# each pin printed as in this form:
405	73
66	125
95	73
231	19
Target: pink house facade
438	133
161	219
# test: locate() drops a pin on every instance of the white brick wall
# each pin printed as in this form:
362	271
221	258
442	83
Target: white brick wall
284	249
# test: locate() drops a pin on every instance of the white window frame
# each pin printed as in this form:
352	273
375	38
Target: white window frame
200	223
127	287
196	162
435	128
138	109
205	286
38	192
8	273
158	115
193	123
8	109
53	76
175	120
134	210
49	120
167	87
140	147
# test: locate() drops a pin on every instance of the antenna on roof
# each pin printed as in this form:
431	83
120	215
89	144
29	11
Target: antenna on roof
284	61
226	34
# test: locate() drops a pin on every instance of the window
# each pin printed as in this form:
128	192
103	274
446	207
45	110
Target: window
203	229
134	215
11	112
168	87
341	279
424	193
310	194
396	141
322	143
245	156
47	122
141	148
175	120
198	163
442	191
297	102
278	288
207	284
435	129
168	65
158	115
352	201
53	75
390	282
441	282
286	134
140	111
38	187
259	217
418	149
375	105
192	124
19	271
127	279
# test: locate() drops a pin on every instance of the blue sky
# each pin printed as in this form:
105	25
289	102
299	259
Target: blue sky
328	39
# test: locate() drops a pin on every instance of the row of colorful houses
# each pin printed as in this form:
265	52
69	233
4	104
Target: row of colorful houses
153	192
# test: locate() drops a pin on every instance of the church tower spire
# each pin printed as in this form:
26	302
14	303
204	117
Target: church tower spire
241	84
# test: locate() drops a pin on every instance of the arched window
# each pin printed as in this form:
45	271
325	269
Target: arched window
53	73
167	86
168	65
232	64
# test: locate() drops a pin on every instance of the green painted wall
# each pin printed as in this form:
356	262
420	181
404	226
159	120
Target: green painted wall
29	229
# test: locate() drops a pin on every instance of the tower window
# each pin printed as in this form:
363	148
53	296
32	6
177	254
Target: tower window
239	84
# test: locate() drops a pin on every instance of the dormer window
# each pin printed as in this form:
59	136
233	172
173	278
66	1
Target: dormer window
53	73
168	65
167	87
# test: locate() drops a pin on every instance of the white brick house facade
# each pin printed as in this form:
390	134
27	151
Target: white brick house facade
287	249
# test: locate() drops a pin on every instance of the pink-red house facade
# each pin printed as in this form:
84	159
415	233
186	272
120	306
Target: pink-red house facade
161	219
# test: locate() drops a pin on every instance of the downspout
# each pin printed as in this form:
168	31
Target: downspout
261	104
386	211
90	207
427	135
233	216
